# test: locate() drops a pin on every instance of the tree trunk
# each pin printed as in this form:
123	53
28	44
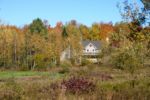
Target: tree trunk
14	50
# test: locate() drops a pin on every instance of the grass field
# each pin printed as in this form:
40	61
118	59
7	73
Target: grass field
111	84
17	74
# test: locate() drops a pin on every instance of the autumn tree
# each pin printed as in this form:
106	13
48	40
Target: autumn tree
131	49
38	32
122	26
84	32
73	40
136	17
106	29
94	32
98	31
11	44
56	43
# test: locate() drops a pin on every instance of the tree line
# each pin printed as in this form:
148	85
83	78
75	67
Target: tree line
38	45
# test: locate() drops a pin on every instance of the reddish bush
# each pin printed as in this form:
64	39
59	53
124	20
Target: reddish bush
78	85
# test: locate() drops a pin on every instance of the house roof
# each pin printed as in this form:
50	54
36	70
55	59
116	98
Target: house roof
97	44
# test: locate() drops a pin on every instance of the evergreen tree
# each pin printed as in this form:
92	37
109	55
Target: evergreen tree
38	27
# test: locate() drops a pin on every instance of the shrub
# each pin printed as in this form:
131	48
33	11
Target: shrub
85	62
64	70
11	91
49	91
65	67
52	64
129	58
66	64
78	85
124	59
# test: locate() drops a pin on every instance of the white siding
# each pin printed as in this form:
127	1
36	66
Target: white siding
65	55
90	48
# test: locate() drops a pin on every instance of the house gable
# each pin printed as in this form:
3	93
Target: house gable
97	44
90	48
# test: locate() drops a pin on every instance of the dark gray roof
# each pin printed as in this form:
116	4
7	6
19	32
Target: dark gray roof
97	44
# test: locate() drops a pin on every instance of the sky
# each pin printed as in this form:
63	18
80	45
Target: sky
22	12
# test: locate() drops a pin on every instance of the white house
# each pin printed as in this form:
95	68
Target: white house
91	50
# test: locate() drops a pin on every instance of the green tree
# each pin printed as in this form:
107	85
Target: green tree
38	27
64	33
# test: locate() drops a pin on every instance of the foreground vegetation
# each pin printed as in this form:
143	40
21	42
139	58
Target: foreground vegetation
31	68
37	45
97	82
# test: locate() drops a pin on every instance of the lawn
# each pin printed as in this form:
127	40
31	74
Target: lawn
17	74
29	74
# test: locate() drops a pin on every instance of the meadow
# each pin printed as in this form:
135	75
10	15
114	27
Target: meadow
103	83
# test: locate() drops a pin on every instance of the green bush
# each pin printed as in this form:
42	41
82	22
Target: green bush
66	64
65	67
39	61
64	70
126	58
129	58
84	62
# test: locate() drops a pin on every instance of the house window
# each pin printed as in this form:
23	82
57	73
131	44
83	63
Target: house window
90	45
93	50
87	50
